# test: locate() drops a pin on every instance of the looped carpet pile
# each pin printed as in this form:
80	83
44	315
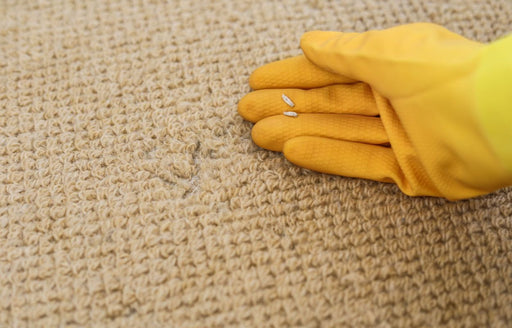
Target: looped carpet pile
131	194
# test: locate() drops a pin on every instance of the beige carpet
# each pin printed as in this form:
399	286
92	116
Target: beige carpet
131	193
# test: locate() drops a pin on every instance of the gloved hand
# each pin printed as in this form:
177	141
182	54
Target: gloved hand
396	105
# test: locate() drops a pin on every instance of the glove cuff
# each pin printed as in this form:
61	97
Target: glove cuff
494	97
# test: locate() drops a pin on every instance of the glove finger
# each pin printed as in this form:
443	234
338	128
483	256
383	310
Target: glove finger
355	98
295	72
273	132
345	158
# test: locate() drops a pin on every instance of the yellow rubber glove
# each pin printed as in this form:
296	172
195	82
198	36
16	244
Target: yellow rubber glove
398	105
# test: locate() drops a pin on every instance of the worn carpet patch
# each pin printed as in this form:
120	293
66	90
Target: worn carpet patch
131	194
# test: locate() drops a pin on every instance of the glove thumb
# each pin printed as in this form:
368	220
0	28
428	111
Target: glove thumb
398	61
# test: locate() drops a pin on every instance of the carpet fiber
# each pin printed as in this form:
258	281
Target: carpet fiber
132	195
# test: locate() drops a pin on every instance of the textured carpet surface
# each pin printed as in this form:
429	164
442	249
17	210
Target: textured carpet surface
131	194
